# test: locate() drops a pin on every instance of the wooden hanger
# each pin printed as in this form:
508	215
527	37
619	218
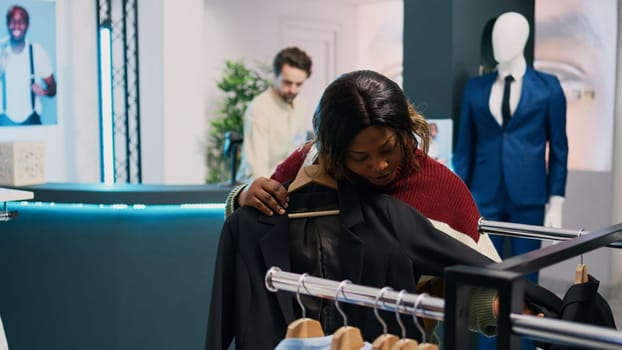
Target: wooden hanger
312	174
385	341
404	343
303	327
346	337
581	275
423	345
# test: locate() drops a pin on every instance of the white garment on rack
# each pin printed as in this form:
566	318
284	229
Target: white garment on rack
484	245
319	343
3	343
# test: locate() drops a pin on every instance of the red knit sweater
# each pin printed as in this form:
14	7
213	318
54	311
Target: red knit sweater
433	190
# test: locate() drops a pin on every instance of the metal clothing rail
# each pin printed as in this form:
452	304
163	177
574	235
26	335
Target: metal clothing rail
428	307
566	333
533	231
506	278
537	328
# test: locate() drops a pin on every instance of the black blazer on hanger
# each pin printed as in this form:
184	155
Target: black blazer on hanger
582	303
382	242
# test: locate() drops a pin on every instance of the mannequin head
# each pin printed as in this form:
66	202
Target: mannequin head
509	37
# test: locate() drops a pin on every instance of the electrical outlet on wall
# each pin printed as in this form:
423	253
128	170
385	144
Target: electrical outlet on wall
22	163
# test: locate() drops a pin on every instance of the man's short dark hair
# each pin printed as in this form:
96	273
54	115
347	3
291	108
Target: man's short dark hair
292	56
12	9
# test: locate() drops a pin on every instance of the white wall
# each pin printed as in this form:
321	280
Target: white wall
150	50
172	61
78	92
379	44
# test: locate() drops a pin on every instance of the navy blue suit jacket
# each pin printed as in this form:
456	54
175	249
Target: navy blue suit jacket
485	151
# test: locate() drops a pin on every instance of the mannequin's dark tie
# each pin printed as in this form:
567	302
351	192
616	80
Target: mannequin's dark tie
505	102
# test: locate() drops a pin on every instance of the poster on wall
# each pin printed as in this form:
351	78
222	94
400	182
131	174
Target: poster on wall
28	63
576	41
441	138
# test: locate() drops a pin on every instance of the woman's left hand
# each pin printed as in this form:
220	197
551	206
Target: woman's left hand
527	310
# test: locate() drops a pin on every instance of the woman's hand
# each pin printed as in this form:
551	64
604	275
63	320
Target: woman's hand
265	195
527	310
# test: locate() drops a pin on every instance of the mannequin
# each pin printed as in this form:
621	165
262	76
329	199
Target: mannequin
503	137
511	160
504	163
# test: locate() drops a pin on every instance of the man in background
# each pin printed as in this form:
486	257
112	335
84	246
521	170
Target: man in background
25	73
274	122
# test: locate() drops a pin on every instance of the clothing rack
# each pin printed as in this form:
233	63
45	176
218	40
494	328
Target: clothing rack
533	231
429	307
537	328
506	278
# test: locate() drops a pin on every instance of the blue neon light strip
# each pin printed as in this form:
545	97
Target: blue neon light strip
107	121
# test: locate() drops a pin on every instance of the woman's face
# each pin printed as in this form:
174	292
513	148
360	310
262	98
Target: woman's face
375	155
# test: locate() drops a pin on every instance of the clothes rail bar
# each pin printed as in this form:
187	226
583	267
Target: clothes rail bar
429	307
538	328
566	333
533	231
552	254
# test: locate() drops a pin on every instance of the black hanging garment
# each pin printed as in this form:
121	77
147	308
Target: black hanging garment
378	241
582	303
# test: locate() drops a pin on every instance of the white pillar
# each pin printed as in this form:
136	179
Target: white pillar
615	277
173	116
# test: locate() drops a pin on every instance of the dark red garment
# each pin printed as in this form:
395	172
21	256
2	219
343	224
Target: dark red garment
433	190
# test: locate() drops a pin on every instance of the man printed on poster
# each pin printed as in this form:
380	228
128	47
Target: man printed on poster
26	73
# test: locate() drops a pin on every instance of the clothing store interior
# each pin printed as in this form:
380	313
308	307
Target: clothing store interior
310	174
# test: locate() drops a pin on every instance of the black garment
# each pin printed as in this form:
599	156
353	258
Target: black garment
379	235
582	303
314	249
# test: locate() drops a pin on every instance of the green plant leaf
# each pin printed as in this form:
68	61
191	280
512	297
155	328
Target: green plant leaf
240	85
